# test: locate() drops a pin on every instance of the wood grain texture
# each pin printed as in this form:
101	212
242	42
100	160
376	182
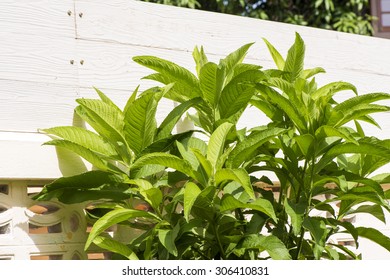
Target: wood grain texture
166	27
37	58
37	17
28	106
110	65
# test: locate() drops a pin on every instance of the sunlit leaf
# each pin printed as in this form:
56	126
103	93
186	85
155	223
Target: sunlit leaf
238	175
172	73
114	217
217	143
277	57
114	246
229	203
191	192
273	245
295	58
375	236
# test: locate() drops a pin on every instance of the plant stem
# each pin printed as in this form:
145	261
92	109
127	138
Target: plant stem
222	252
302	234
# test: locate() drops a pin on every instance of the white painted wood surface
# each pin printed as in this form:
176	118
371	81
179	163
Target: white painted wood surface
40	39
54	51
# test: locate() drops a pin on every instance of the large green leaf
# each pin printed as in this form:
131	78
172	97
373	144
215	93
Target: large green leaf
86	153
166	160
217	143
277	57
374	210
361	99
186	148
106	121
107	116
234	59
238	175
140	122
364	147
205	168
74	189
112	245
237	93
319	232
270	110
131	99
168	237
85	138
245	150
107	100
308	73
211	78
191	193
329	131
200	58
375	236
357	107
166	127
327	92
296	212
113	217
339	118
204	207
295	58
273	245
304	142
294	94
229	203
285	104
166	144
170	72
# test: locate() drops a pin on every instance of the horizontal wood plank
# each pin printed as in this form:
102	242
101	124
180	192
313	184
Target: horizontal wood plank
166	27
110	65
49	18
28	106
37	58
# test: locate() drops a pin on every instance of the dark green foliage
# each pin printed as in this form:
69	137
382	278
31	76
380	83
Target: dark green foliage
352	16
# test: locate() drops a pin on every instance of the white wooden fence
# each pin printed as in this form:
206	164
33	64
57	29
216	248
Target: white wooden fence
54	51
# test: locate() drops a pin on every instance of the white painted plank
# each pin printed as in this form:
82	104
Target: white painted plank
24	157
161	26
27	106
110	65
37	58
37	17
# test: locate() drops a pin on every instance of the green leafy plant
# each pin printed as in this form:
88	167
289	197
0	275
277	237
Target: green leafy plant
223	89
311	180
207	199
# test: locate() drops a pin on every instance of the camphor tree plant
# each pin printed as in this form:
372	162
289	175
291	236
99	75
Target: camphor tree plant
206	201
